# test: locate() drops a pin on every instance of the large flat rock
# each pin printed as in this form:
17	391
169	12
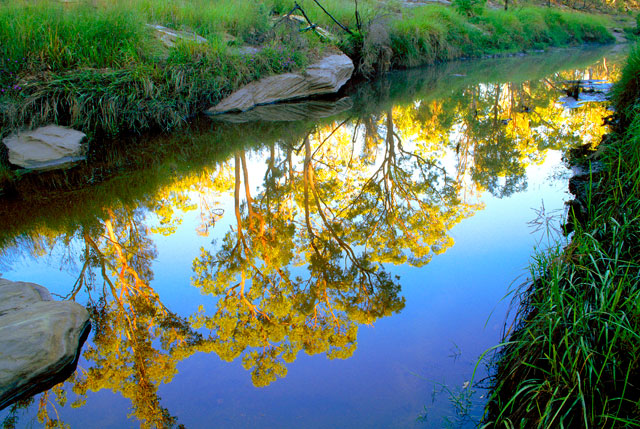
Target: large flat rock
45	148
40	339
326	76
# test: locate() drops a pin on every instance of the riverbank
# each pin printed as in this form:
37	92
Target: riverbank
573	357
133	169
102	67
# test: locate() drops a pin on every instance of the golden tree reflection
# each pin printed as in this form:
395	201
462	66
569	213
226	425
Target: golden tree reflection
137	340
307	255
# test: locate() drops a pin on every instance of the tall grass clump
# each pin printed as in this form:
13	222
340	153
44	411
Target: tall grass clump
626	93
98	66
573	357
144	96
533	28
49	36
434	33
242	19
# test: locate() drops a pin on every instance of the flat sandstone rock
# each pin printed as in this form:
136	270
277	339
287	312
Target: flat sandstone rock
46	147
324	77
40	339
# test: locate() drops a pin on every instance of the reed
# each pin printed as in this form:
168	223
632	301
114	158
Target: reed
573	357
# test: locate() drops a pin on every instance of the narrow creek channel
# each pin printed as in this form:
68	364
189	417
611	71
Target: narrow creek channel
333	263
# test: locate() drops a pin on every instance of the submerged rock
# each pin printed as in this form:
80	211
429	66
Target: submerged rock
40	339
324	77
45	148
290	112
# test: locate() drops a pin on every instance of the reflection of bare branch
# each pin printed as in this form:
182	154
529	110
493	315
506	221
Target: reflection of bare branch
329	136
77	286
310	184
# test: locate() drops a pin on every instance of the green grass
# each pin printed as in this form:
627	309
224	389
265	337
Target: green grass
47	35
573	359
244	20
144	96
102	69
436	33
97	66
433	34
627	90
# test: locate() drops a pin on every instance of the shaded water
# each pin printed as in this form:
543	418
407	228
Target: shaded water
334	265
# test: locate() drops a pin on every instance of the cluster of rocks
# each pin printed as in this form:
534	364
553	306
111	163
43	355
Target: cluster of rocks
40	339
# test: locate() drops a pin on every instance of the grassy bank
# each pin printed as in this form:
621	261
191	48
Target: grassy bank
96	65
573	359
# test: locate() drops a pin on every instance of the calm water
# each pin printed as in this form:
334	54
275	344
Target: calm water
337	264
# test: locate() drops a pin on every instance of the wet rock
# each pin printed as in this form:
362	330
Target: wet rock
40	340
170	37
289	112
324	77
45	148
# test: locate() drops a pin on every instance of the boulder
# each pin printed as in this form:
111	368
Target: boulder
45	148
40	340
324	77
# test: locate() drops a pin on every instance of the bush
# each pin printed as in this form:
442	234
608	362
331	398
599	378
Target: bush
469	8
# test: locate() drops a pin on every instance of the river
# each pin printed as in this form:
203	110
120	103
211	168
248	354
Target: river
342	262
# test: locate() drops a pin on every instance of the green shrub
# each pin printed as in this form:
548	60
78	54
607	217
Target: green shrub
469	8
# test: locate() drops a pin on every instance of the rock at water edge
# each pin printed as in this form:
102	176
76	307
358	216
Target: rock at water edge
40	340
324	77
46	147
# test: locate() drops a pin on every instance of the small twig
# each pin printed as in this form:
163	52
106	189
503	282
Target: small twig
286	16
311	24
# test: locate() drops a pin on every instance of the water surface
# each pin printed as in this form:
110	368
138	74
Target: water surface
339	263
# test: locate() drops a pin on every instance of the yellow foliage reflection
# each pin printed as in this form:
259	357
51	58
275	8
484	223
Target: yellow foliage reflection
306	258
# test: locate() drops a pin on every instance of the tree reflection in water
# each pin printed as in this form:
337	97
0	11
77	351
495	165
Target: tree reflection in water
306	259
